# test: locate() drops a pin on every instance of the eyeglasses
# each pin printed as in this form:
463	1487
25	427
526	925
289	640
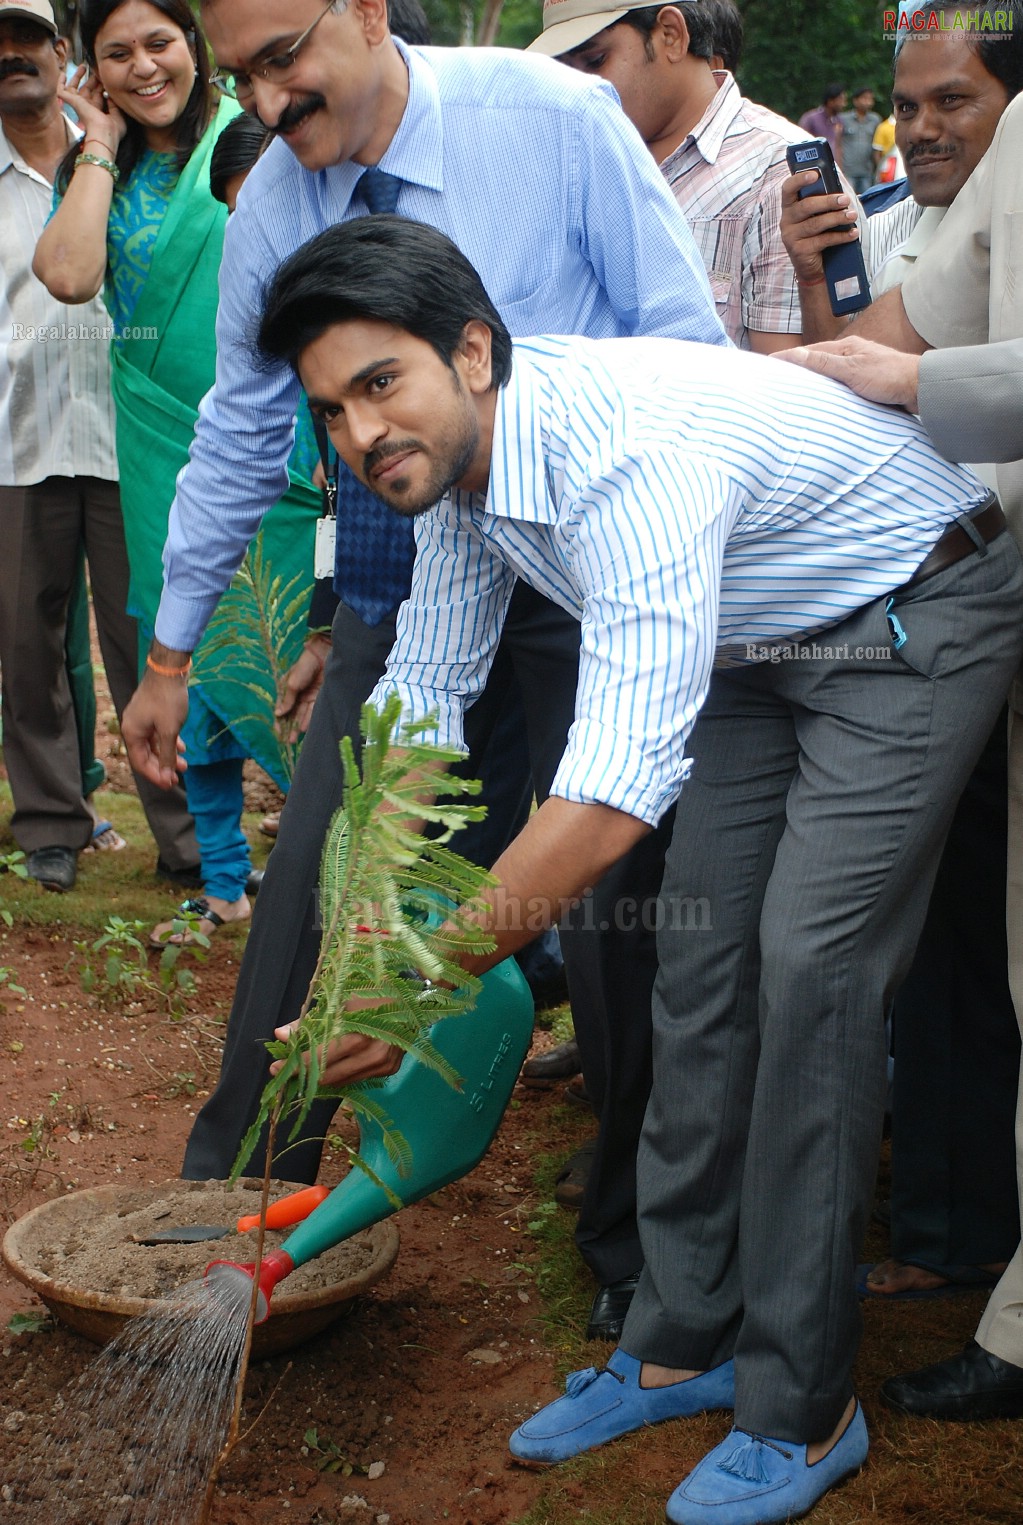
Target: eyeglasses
277	69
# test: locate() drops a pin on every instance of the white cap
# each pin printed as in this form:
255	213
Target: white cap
567	24
31	10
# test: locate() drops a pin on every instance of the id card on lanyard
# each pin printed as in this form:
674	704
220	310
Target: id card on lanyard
324	549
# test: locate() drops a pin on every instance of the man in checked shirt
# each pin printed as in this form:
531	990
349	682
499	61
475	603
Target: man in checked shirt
722	155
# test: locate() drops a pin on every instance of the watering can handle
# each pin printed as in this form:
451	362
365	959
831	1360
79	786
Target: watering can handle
287	1210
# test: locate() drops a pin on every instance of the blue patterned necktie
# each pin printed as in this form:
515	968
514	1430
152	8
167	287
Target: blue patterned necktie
379	190
375	548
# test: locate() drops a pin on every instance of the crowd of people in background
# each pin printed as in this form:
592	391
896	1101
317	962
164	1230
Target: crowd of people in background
623	529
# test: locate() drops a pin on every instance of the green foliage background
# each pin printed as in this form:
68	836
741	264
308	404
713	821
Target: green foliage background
793	47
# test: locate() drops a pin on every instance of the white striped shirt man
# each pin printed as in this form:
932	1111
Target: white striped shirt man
56	409
678	499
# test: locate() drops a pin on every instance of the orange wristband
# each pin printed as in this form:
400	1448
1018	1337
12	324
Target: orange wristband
817	281
169	672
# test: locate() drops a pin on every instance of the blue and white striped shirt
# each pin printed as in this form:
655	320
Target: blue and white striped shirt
678	500
538	176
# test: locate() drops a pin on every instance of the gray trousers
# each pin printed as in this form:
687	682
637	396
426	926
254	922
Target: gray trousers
805	846
44	528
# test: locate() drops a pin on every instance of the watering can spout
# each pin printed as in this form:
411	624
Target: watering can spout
236	1278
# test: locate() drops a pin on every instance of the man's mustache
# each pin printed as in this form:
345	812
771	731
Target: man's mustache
383	453
9	66
297	112
928	151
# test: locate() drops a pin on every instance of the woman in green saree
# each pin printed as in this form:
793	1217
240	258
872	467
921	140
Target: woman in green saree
136	216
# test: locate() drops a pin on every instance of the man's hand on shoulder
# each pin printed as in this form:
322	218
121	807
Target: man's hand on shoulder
871	370
152	721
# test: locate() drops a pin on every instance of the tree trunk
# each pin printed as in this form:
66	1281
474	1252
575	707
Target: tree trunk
489	23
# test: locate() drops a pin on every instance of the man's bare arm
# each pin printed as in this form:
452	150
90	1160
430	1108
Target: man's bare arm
885	322
563	850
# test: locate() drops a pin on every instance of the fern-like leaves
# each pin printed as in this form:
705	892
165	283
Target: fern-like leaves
388	899
252	641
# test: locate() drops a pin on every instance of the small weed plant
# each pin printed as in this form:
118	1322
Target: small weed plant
115	967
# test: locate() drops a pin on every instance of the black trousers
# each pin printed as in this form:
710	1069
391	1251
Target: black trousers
954	1201
609	958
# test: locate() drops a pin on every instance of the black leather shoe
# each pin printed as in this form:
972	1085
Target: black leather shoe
56	868
253	883
972	1385
189	876
570	1182
558	1063
610	1306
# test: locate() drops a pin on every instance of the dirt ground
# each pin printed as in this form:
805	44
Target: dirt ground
399	1414
427	1375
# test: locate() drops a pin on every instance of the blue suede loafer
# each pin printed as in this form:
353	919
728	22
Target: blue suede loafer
749	1480
601	1405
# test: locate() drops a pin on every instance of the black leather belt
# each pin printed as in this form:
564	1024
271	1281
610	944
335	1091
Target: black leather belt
956	544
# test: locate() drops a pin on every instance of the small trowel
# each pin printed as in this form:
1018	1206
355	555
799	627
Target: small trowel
280	1214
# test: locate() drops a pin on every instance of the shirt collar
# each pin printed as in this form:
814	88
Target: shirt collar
416	152
924	229
8	160
520	483
714	126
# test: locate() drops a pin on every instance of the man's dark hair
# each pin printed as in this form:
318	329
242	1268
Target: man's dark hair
407	20
236	151
726	20
698	19
390	270
1001	53
831	93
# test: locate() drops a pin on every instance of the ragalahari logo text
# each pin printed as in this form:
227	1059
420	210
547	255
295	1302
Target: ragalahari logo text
973	18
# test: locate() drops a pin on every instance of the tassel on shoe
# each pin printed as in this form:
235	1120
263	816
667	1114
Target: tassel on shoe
747	1461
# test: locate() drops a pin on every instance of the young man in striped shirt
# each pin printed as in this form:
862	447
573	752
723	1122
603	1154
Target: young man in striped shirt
751	545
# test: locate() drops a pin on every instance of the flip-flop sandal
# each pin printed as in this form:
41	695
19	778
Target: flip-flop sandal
105	839
965	1279
269	824
200	907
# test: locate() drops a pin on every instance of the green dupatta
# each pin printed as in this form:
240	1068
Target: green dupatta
158	384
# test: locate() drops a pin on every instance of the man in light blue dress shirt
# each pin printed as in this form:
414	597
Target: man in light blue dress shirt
540	177
751	545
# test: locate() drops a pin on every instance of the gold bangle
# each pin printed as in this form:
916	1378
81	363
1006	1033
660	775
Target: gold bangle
169	672
107	164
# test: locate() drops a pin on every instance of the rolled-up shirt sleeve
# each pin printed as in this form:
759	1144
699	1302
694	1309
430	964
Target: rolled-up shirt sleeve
238	463
448	628
647	545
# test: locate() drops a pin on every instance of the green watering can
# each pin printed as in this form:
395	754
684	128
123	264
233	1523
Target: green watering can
448	1130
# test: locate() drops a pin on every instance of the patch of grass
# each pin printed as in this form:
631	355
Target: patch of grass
564	1283
119	883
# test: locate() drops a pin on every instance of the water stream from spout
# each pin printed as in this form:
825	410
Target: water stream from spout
134	1440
